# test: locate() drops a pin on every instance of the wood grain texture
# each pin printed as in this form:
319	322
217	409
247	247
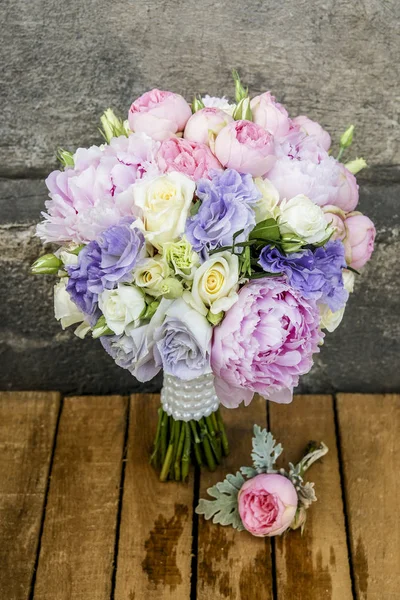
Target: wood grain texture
77	548
154	556
233	564
27	428
314	565
369	428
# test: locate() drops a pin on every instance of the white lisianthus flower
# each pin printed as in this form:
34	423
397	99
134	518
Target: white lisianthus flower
268	206
215	284
222	103
331	320
122	306
150	273
164	204
66	311
301	216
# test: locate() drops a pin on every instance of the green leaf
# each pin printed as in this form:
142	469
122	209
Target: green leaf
195	208
224	509
266	230
265	450
259	275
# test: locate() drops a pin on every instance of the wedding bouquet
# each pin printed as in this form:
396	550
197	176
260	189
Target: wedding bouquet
214	241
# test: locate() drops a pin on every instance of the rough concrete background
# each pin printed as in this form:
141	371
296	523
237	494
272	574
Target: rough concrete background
64	63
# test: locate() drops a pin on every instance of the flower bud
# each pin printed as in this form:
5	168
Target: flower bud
66	158
355	166
215	319
242	111
197	104
101	328
48	264
240	91
171	288
347	137
112	126
300	519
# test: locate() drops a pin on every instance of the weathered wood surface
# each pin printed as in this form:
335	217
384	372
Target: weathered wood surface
27	427
84	517
233	564
154	554
314	565
370	440
77	546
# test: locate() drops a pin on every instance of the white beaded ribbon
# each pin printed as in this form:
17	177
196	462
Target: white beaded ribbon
189	400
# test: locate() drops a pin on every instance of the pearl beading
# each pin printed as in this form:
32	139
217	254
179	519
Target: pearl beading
189	400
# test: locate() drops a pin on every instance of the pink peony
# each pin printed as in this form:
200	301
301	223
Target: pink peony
245	147
205	125
361	236
347	195
191	159
271	115
97	192
304	167
313	129
267	504
159	114
265	342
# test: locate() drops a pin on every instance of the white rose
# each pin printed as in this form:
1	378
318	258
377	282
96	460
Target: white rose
215	284
150	273
164	203
122	306
330	320
348	280
301	216
65	310
268	206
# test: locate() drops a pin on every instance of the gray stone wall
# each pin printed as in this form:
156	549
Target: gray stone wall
63	63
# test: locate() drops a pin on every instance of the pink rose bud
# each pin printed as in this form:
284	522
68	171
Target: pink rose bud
270	114
337	218
206	124
159	114
313	128
347	192
267	504
191	159
245	147
361	236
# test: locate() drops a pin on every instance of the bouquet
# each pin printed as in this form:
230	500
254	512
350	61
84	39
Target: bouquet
214	241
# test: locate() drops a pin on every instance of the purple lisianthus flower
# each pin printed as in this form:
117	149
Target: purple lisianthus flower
226	207
183	342
120	247
103	264
84	281
318	275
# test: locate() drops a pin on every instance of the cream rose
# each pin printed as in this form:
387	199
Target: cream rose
215	284
164	204
122	306
301	216
150	273
65	310
268	206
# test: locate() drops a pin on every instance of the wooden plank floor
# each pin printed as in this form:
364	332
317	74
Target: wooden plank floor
84	517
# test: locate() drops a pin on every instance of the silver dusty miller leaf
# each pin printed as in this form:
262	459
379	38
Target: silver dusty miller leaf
306	494
224	509
265	451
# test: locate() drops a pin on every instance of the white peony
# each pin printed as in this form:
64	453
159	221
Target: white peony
122	306
268	206
215	284
164	204
301	216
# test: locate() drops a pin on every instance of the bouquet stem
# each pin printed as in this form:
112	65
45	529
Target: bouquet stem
179	443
